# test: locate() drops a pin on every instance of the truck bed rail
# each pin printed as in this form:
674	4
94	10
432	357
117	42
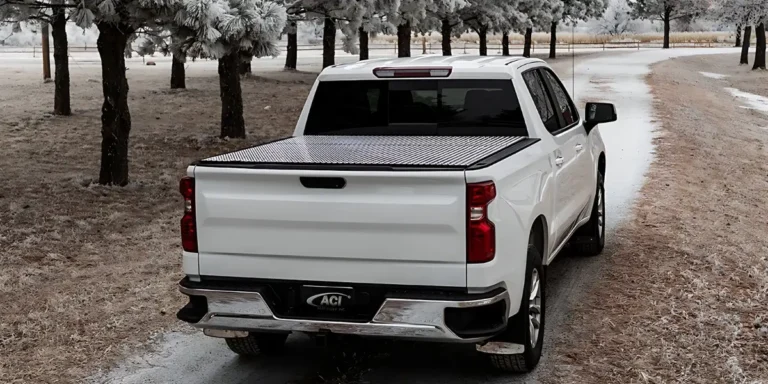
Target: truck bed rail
374	152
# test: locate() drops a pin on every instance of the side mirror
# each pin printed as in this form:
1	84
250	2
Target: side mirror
597	113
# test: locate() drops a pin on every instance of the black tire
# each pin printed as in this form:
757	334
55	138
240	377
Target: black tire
591	237
258	344
518	327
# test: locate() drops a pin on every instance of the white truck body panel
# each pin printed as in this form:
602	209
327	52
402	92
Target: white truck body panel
384	227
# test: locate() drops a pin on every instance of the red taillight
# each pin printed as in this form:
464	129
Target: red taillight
188	226
405	72
481	234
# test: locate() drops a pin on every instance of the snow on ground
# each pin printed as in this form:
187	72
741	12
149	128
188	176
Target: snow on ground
711	75
617	78
753	101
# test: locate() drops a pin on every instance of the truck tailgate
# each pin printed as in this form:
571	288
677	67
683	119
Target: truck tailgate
386	227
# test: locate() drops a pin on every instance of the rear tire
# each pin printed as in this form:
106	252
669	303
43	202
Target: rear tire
258	344
527	326
591	237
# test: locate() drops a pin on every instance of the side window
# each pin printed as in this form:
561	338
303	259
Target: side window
540	97
565	105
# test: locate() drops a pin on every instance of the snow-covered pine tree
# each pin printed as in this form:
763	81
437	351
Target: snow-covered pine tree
483	16
573	11
117	21
231	31
407	17
668	10
291	48
743	13
375	20
161	39
616	20
53	12
346	15
512	19
539	16
445	15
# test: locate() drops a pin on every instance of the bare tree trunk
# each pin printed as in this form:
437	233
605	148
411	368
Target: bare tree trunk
667	15
292	54
745	46
245	65
61	99
445	30
115	115
363	35
232	123
329	42
178	74
738	36
553	41
528	42
760	47
404	40
482	32
46	52
505	43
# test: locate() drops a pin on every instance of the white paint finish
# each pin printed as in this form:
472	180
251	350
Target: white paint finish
381	228
711	75
399	227
756	102
189	263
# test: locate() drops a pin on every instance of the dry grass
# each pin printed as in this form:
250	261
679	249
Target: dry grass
584	38
685	297
87	270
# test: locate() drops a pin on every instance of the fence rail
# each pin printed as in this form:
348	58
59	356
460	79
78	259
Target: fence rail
430	48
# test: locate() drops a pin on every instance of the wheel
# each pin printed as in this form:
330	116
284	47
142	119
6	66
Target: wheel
527	326
591	237
258	344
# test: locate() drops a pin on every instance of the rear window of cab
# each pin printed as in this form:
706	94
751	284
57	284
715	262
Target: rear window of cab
416	107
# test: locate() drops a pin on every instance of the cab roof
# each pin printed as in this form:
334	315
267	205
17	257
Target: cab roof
462	66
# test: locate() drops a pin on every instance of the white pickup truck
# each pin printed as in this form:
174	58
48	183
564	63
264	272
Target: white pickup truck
418	198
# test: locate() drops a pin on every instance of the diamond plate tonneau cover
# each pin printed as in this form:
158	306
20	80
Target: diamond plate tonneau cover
426	151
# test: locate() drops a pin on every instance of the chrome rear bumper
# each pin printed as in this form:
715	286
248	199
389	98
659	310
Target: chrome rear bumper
396	318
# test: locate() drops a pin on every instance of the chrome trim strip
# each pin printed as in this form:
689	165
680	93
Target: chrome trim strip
399	318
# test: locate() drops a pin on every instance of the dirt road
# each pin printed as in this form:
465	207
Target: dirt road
684	298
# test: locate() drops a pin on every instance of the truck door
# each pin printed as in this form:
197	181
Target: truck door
575	140
563	158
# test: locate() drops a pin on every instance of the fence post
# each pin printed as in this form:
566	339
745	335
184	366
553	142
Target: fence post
638	45
33	50
465	47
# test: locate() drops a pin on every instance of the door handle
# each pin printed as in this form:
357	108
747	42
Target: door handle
578	147
559	161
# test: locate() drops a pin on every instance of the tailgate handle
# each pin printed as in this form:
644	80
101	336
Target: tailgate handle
323	182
